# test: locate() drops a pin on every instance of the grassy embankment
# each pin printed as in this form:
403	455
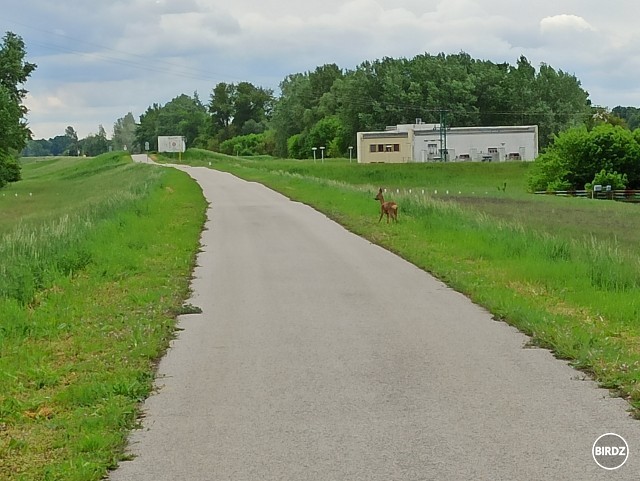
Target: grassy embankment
565	271
95	260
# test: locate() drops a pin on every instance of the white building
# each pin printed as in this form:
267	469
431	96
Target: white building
429	143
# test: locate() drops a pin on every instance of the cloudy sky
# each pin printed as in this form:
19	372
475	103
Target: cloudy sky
98	60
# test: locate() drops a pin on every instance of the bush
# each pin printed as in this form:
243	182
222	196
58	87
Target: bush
615	180
9	170
577	155
548	173
249	145
295	147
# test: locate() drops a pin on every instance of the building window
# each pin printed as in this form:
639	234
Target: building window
384	148
433	148
492	150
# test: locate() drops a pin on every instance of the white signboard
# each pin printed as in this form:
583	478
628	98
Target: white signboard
173	143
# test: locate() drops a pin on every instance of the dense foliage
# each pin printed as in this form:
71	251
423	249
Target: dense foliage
185	116
393	91
14	132
577	155
630	115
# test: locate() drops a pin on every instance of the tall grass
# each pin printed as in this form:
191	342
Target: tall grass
35	251
91	287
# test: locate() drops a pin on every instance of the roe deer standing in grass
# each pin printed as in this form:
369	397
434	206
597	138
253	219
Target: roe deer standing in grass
389	208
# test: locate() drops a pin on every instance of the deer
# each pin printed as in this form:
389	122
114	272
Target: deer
389	208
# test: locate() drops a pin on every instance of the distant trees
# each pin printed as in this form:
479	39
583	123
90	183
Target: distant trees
326	107
14	132
58	145
95	144
306	99
238	110
185	116
391	91
124	133
630	115
73	146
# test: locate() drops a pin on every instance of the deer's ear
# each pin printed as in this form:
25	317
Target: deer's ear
380	190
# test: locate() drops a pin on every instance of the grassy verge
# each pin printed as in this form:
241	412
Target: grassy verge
555	268
96	264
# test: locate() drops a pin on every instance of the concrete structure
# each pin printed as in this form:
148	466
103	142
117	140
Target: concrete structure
429	143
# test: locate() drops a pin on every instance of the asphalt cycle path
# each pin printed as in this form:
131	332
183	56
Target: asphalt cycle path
320	356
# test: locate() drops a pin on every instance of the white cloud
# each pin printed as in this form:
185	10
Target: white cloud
564	23
133	53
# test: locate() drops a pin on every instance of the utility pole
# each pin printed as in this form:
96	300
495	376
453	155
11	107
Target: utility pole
444	153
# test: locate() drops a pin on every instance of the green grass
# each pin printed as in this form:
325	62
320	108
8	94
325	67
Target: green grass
564	271
96	264
96	255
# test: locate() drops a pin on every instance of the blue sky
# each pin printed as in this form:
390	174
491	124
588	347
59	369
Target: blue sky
99	60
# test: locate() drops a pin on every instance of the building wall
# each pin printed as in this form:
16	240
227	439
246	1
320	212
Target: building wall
478	143
422	143
388	147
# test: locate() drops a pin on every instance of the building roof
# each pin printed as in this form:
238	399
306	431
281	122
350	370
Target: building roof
385	135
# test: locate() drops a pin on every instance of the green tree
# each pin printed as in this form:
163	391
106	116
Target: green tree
305	99
14	132
59	144
221	107
577	155
326	133
602	115
147	130
73	148
184	115
289	110
296	148
124	133
631	116
95	144
251	103
36	148
240	109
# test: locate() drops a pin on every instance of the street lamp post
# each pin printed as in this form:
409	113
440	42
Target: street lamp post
322	153
314	153
350	152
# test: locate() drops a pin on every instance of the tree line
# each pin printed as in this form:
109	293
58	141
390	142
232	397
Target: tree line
123	137
329	105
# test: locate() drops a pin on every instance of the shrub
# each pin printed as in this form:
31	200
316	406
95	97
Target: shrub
577	155
615	180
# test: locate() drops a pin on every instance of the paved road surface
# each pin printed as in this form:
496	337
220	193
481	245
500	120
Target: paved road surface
319	356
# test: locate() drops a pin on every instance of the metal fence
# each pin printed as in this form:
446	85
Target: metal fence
618	195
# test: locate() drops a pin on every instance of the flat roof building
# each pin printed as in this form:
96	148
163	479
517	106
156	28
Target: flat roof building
429	143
